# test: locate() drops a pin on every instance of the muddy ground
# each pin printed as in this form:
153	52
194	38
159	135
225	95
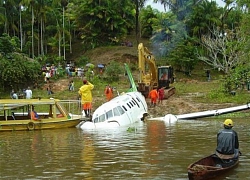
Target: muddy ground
173	105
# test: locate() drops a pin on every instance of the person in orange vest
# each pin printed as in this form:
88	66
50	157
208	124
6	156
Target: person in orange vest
153	95
108	92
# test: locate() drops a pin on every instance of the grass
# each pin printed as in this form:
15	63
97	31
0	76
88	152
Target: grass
195	85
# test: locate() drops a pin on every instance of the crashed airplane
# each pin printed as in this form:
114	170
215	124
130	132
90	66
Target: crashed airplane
125	109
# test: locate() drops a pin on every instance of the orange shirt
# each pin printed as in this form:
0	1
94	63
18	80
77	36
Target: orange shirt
34	115
109	93
153	94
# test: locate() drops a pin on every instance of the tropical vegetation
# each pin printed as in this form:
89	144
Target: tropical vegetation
36	32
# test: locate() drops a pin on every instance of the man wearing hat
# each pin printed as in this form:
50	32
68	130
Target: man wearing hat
86	95
227	141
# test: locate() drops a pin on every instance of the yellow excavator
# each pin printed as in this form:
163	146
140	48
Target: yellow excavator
151	76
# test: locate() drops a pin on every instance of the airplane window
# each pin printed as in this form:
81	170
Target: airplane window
136	103
124	108
116	111
102	118
131	104
121	110
109	114
128	105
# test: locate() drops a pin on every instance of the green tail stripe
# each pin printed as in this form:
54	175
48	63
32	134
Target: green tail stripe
133	87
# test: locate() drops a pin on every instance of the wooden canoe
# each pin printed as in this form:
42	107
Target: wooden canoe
210	167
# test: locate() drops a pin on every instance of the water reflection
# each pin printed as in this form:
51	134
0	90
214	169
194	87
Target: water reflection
155	150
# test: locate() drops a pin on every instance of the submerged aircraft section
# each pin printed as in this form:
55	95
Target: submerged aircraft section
125	109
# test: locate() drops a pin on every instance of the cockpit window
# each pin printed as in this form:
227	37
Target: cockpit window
102	118
109	114
96	120
116	111
120	110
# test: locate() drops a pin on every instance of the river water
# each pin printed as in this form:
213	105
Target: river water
152	150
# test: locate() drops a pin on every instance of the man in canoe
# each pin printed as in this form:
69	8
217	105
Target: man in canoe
227	142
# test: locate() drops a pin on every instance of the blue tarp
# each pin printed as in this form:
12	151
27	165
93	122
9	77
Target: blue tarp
100	65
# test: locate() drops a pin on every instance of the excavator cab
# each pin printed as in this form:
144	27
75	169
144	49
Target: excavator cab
165	76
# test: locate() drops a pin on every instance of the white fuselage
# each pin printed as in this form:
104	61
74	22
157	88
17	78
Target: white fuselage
123	110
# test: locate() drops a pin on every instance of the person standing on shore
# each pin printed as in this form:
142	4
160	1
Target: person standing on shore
86	97
153	95
161	95
28	93
108	92
71	86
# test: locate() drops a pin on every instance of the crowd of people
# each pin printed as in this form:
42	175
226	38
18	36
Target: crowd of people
73	71
49	71
26	93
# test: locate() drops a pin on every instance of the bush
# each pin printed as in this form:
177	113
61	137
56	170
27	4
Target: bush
113	70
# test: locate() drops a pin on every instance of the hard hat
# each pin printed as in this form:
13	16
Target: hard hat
228	122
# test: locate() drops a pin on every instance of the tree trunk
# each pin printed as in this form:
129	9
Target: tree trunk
32	31
64	53
21	29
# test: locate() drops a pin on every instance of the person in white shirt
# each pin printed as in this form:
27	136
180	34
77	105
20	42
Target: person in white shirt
28	93
47	76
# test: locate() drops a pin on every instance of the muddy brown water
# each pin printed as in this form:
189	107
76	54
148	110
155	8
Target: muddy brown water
151	150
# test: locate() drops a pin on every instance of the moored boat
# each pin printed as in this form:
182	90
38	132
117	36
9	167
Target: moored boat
210	167
16	114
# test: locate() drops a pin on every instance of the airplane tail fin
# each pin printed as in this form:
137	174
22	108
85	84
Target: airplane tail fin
133	87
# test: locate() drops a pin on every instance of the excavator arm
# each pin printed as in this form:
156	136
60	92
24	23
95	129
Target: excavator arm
147	66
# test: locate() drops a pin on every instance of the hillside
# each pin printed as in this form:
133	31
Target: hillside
180	103
103	55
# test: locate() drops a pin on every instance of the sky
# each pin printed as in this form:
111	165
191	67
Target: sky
161	7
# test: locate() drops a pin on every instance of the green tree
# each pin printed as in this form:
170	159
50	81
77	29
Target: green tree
100	22
113	70
31	4
148	18
16	70
8	45
205	15
167	34
183	58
